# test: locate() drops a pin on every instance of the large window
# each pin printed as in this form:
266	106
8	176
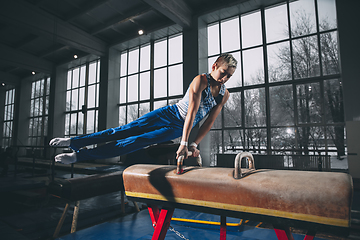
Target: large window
150	77
286	95
8	118
168	71
82	99
39	111
134	83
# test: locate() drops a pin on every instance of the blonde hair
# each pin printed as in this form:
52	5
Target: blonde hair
228	59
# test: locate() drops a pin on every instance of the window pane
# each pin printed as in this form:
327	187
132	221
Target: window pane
144	108
276	23
233	140
39	106
230	35
80	123
145	86
12	94
68	101
213	39
69	80
145	58
175	49
67	124
96	120
281	106
132	113
327	14
283	138
47	105
133	88
160	52
329	53
7	97
123	64
7	113
11	115
279	62
122	115
232	110
82	75
31	127
98	72
133	61
334	105
176	80
90	127
75	82
253	66
216	142
310	139
97	95
159	104
255	109
92	73
35	87
123	90
91	96
309	103
256	139
302	17
160	83
41	88
48	82
235	80
306	57
32	107
73	120
74	99
251	30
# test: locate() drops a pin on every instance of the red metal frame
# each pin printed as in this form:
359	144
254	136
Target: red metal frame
160	220
223	228
285	234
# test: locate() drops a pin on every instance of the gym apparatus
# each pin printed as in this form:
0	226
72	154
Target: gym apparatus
314	201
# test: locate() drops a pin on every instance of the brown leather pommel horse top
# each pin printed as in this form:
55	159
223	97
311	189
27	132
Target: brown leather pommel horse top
279	196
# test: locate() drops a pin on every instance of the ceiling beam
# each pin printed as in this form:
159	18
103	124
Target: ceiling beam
32	19
120	19
21	59
176	10
85	9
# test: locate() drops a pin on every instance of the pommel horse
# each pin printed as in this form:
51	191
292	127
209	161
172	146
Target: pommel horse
313	201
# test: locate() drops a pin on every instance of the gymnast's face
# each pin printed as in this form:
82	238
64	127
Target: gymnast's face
222	72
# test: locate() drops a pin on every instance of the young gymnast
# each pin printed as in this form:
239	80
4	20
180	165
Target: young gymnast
205	96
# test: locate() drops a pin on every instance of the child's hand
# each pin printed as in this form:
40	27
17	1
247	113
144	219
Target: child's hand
182	151
195	151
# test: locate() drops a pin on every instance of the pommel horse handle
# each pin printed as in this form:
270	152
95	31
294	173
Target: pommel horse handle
249	156
180	161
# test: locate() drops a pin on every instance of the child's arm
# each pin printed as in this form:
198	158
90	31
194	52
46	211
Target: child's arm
195	90
206	126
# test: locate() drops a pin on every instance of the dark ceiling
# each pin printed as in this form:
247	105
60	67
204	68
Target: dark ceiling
37	35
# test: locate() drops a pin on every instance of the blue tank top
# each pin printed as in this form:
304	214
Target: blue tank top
206	104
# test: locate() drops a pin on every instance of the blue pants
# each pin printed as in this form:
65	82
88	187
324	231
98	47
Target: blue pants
158	126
